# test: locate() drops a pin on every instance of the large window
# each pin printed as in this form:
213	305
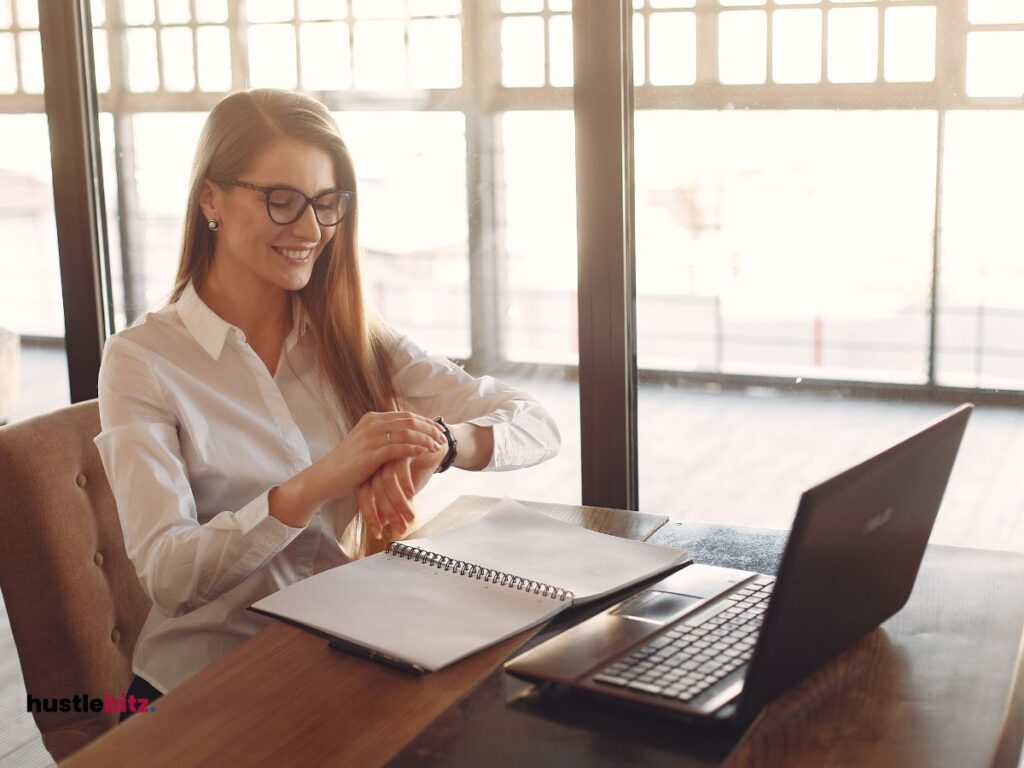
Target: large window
467	222
33	368
825	192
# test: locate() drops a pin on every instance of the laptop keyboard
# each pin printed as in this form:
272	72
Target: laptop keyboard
686	660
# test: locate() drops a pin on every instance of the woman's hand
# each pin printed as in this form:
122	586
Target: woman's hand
376	439
386	498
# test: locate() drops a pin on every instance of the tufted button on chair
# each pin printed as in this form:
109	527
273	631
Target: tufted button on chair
74	601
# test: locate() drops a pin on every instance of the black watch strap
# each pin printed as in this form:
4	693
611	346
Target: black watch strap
453	445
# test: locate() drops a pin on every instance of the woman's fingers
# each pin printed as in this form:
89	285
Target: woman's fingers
368	508
412	421
412	437
405	478
388	514
399	501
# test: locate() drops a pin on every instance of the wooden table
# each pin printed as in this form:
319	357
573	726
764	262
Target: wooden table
933	687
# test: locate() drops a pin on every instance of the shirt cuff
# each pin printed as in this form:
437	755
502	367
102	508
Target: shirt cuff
255	518
500	431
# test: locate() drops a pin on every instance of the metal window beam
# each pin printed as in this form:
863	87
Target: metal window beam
77	187
607	296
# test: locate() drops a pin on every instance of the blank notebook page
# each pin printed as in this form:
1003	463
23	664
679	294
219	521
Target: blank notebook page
410	610
516	540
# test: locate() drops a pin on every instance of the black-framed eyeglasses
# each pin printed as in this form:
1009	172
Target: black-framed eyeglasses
286	204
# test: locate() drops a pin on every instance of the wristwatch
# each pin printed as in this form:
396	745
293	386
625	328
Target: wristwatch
453	445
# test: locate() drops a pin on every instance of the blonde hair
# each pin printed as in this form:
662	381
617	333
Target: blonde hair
351	345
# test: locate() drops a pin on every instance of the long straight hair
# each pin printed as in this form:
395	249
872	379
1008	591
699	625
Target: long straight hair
351	345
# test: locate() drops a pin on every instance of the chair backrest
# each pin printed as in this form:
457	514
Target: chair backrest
74	601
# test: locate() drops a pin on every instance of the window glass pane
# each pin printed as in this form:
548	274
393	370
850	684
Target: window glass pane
434	7
378	9
27	13
178	61
995	64
909	44
138	12
31	62
411	167
211	11
995	11
766	244
522	52
322	9
540	236
97	12
272	56
6	14
981	330
380	55
164	145
435	53
521	6
214	58
796	46
102	56
325	56
742	46
560	50
8	65
673	49
263	11
639	49
853	45
142	67
33	367
174	12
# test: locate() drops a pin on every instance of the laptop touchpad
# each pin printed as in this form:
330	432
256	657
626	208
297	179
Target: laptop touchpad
656	607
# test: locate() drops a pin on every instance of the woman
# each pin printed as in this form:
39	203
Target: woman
262	426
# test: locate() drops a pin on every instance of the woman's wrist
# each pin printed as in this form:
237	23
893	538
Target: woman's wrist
476	445
295	501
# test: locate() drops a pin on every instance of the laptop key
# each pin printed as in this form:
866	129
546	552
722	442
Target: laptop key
645	687
610	680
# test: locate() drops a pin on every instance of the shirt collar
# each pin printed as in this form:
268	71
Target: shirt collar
210	330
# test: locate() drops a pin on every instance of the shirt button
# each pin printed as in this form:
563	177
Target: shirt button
80	480
98	558
115	636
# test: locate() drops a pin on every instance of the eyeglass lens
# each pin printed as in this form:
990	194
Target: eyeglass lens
286	205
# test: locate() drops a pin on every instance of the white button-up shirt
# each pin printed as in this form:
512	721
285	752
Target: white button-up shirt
195	433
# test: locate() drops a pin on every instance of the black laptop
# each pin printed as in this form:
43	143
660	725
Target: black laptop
715	645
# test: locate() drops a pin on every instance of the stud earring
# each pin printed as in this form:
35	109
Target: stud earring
212	225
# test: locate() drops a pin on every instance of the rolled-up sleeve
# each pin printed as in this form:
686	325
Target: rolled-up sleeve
181	563
431	385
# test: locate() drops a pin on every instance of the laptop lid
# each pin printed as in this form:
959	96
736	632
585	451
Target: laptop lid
852	557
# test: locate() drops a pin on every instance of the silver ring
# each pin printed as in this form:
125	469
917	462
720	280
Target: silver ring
389	435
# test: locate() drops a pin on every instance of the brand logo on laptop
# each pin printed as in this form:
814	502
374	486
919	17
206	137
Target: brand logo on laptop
876	522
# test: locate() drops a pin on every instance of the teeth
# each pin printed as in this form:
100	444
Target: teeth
294	255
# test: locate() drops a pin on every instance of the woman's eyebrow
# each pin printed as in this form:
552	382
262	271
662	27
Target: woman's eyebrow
315	194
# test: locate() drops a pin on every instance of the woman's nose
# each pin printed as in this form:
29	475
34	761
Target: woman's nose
307	226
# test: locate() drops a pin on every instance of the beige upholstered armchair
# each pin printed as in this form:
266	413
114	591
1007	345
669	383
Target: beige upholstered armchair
75	603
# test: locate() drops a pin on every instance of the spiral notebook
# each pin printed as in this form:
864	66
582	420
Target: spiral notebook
428	602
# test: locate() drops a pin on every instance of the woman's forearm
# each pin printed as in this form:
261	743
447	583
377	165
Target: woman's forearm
476	446
295	501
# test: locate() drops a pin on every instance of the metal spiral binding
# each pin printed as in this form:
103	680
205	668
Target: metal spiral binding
461	567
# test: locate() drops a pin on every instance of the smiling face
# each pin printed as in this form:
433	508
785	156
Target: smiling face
253	252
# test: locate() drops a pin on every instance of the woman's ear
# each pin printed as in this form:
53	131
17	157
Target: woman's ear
210	196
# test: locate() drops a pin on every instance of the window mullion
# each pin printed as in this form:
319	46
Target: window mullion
603	106
70	94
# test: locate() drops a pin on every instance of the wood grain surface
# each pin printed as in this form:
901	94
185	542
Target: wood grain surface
284	698
934	686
